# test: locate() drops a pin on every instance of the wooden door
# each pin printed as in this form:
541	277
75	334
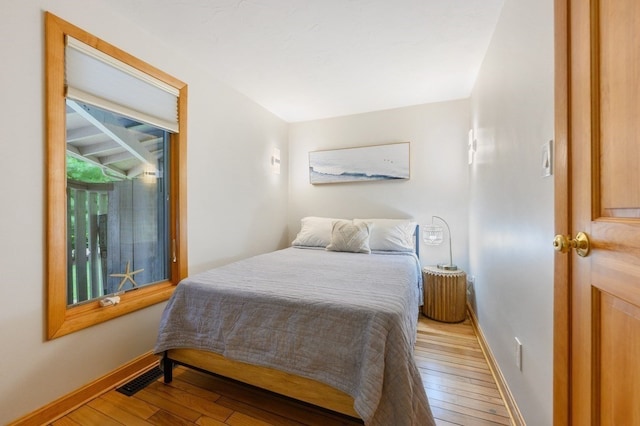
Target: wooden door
597	298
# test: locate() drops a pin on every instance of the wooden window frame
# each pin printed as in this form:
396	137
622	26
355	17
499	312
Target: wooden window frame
63	319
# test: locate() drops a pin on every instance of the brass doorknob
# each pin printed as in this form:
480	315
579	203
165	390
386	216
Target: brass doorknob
563	243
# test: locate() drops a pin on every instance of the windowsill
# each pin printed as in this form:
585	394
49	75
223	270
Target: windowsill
87	314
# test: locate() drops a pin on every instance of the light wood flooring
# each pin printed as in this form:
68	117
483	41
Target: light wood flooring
456	377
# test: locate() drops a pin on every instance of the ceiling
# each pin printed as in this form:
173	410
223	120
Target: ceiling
311	59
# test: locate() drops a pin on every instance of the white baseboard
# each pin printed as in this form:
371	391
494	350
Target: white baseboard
503	388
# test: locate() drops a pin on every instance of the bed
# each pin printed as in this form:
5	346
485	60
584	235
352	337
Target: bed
330	321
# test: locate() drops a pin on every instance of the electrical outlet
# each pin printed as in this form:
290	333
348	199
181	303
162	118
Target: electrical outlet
471	280
518	354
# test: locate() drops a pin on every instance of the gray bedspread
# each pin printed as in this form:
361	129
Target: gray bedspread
348	320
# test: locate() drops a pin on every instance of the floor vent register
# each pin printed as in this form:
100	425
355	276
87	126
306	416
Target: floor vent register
140	382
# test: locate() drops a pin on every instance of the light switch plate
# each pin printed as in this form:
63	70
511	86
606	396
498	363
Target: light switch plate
547	159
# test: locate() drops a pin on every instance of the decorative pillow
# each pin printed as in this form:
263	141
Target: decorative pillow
391	234
349	236
314	232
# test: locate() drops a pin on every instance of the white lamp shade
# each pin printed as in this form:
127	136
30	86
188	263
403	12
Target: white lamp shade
432	235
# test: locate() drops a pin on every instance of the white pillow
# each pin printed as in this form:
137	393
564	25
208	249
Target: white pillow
349	236
391	234
314	232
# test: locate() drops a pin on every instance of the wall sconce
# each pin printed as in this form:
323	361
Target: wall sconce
432	235
275	161
151	174
472	145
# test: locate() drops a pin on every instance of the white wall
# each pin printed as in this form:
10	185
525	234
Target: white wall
237	207
439	172
511	205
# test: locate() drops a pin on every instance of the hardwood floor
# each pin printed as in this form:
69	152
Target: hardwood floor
456	377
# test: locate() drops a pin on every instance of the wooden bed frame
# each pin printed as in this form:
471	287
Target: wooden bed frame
290	385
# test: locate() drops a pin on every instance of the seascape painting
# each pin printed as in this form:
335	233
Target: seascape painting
379	162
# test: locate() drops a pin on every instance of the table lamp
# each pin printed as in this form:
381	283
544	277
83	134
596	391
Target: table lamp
432	235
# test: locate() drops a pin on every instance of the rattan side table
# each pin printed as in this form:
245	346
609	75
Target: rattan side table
445	294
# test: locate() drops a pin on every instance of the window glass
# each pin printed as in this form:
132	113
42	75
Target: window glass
117	214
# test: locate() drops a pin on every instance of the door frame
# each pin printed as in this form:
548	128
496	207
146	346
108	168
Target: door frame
562	212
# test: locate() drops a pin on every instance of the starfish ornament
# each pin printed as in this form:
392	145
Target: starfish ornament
127	276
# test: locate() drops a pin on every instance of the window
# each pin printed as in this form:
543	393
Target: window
117	218
116	169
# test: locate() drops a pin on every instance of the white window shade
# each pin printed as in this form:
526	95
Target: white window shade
101	80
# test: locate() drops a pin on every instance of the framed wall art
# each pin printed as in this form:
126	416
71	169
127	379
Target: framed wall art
367	163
